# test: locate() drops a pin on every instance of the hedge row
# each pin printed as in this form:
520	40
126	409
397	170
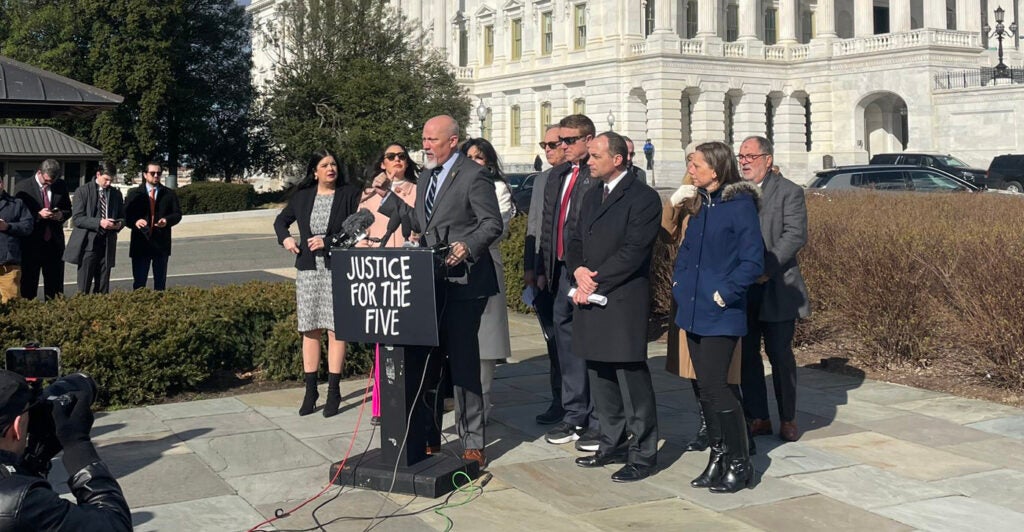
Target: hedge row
204	197
145	345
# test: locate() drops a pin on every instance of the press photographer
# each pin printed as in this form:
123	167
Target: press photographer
36	424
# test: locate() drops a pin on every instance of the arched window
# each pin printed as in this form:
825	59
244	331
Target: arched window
730	116
769	119
807	122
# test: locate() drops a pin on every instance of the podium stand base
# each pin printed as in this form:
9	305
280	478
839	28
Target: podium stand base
431	477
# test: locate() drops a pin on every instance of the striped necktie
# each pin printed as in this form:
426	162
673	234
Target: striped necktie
431	192
103	203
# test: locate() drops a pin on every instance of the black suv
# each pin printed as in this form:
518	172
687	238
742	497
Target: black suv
902	178
947	163
1007	172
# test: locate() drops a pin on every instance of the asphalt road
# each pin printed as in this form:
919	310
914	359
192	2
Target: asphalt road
203	261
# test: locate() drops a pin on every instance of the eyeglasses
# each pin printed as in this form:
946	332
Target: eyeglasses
550	145
751	158
401	155
569	141
153	173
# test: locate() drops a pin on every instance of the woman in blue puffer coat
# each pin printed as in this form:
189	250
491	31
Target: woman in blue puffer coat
721	256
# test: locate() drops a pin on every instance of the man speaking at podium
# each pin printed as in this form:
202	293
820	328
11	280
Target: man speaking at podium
455	206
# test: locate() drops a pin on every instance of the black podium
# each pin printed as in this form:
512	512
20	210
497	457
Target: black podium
387	296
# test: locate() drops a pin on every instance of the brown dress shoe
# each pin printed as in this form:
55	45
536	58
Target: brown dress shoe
760	427
788	431
433	449
475	454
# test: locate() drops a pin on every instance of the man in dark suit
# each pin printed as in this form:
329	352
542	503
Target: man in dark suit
151	210
637	172
567	184
543	301
779	298
610	255
46	197
98	214
455	204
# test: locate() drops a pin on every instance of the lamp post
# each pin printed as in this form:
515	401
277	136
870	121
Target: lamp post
481	113
1001	31
611	121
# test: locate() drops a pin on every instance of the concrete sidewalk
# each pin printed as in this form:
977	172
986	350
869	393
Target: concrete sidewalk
873	456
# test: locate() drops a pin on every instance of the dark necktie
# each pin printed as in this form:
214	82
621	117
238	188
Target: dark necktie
103	203
431	192
152	209
604	194
47	232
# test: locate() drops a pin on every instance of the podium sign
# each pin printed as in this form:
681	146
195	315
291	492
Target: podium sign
384	295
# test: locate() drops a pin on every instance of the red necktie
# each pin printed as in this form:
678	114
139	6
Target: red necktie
563	212
152	208
47	233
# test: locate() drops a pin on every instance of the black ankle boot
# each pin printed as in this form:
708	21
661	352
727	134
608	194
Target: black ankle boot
700	441
739	472
333	394
309	401
716	465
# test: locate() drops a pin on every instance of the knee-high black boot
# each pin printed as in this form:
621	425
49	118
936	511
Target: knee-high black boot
700	441
716	465
309	401
333	394
739	472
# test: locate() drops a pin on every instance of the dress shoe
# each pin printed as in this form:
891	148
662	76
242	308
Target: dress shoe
760	427
632	473
788	431
600	459
475	454
553	415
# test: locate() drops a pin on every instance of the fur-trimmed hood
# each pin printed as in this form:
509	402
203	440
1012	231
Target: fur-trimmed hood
743	187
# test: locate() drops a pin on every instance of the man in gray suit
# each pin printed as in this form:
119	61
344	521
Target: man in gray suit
779	298
97	211
543	300
455	205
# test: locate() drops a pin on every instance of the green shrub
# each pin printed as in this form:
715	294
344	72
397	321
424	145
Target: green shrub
512	258
210	196
142	346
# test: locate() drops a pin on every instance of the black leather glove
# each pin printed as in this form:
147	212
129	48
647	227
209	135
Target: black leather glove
74	422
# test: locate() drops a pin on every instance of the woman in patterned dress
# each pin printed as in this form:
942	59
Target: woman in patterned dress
320	204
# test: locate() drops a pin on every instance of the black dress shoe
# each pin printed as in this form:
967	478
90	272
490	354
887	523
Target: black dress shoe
632	473
600	459
553	415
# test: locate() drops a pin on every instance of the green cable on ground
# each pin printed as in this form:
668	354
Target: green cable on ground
467	488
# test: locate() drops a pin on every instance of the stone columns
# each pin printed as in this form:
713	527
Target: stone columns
790	136
664	107
707	19
787	21
440	39
825	18
968	15
662	16
748	20
708	115
750	114
415	12
899	16
935	14
863	18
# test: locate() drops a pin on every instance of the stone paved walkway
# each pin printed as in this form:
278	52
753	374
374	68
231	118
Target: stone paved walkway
873	456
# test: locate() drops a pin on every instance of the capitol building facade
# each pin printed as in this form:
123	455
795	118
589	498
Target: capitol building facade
829	81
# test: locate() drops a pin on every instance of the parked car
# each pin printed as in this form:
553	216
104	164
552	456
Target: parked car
947	163
516	180
1007	172
521	195
890	177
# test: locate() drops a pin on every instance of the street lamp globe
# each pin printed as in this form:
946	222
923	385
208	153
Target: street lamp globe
481	113
999	15
611	121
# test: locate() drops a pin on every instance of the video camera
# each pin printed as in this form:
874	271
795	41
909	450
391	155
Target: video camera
35	364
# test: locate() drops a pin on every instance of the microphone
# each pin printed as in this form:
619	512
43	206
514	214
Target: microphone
353	229
393	223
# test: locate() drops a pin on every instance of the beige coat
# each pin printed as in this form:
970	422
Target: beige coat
673	225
